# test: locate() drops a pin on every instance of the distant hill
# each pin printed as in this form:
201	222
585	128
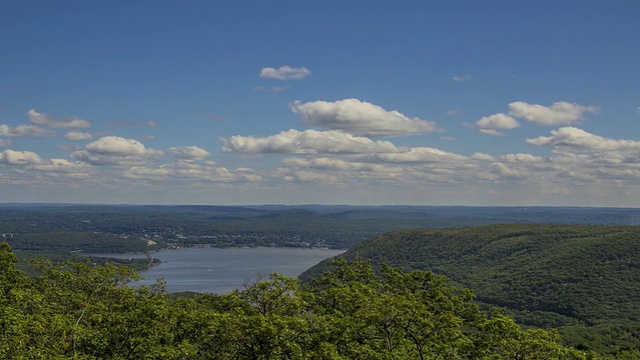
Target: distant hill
584	280
339	226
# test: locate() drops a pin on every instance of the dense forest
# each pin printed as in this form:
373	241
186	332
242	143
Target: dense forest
72	310
583	280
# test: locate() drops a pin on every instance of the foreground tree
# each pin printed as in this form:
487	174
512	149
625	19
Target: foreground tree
79	311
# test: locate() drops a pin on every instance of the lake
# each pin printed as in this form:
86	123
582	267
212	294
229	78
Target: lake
220	271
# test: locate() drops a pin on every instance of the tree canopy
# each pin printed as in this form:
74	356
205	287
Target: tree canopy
582	280
77	311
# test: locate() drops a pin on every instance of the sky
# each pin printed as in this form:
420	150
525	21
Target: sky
460	102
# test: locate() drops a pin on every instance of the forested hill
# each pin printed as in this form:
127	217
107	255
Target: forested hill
584	280
75	311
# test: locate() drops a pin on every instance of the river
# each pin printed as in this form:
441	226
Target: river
220	271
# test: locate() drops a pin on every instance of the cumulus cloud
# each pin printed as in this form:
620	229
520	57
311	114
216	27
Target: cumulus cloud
189	152
422	155
328	170
61	165
78	135
489	124
324	163
572	137
117	146
115	150
183	170
306	142
560	113
521	158
26	130
492	132
415	168
48	120
505	171
340	171
285	73
11	157
360	118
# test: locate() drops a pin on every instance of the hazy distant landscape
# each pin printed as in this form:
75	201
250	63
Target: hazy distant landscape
137	228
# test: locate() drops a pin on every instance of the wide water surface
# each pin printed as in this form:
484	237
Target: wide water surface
220	271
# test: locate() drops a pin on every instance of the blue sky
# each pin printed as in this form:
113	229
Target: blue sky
332	102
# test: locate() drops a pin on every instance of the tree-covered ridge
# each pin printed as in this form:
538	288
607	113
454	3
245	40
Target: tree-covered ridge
584	280
76	311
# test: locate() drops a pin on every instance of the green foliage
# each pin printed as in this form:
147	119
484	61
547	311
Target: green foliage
584	280
77	311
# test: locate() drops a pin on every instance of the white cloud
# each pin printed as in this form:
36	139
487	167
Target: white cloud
78	135
306	142
61	165
491	132
497	121
189	171
462	78
285	73
505	171
47	120
189	152
11	157
360	118
116	146
579	139
26	130
448	138
334	171
324	163
5	143
522	158
560	113
115	150
489	125
421	154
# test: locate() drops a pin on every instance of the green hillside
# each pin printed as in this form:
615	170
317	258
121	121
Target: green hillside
73	310
584	280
